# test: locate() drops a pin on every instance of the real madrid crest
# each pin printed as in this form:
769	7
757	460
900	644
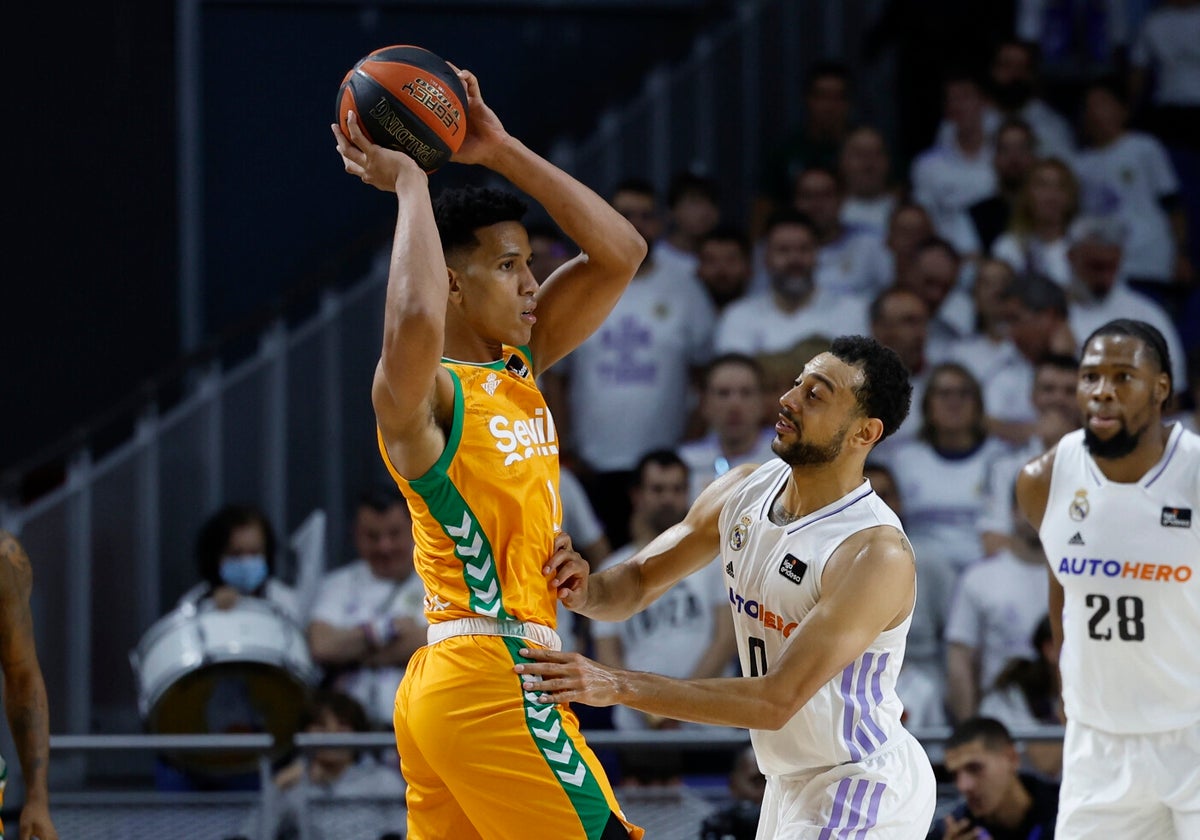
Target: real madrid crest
737	537
1079	506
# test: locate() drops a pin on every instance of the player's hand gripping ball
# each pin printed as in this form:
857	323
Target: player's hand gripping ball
407	99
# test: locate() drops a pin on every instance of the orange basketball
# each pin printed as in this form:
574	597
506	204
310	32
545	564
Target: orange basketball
407	99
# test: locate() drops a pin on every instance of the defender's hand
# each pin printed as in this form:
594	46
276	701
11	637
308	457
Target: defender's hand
568	678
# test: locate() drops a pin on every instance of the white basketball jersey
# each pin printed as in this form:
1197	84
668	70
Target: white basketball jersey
774	577
1128	559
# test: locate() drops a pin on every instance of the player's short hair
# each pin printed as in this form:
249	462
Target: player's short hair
461	211
886	392
991	732
1148	334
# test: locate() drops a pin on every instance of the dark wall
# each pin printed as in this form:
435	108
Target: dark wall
91	287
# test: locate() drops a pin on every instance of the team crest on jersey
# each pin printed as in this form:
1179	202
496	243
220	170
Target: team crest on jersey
793	568
491	384
1079	507
1173	517
737	537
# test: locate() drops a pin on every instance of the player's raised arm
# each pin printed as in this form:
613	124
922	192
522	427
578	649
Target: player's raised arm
577	298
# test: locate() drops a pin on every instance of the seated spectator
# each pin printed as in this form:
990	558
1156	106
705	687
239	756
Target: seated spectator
1027	694
934	277
909	226
1038	327
1057	412
1011	161
629	387
827	92
900	321
739	819
949	177
869	197
846	261
329	772
731	400
1165	75
693	211
1128	174
988	349
1096	295
687	632
724	265
235	556
1036	239
994	610
998	800
235	553
794	308
368	617
941	474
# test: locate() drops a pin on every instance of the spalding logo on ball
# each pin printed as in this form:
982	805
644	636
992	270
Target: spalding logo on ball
407	99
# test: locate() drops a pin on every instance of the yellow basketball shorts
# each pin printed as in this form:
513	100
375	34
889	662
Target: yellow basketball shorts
484	759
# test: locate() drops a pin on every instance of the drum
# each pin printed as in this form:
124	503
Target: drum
204	670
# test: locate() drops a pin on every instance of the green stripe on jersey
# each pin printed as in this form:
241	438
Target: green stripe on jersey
450	509
576	777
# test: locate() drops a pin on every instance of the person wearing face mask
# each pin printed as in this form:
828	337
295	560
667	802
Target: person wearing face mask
235	555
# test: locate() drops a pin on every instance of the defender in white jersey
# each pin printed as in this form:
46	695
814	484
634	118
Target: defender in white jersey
821	581
1114	504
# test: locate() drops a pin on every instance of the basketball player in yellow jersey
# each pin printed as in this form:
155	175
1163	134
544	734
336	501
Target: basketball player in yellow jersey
24	692
466	434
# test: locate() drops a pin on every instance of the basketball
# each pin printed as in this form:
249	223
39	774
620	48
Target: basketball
407	99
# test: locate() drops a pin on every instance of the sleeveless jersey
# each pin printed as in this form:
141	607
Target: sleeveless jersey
774	577
485	515
1128	559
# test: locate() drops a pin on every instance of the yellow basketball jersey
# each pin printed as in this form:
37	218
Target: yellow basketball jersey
486	514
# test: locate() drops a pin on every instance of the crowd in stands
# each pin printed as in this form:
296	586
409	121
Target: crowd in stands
984	261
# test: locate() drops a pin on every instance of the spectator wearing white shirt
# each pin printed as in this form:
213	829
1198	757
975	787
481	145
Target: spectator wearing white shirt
1036	240
628	387
1128	174
994	610
1054	380
934	277
941	475
369	614
724	265
846	256
693	210
1165	71
1038	326
988	349
900	321
686	632
1096	295
794	307
731	400
1014	155
865	168
949	177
